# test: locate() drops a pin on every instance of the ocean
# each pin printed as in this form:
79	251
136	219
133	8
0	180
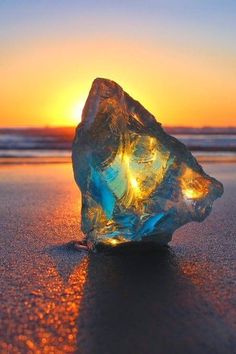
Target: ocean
208	144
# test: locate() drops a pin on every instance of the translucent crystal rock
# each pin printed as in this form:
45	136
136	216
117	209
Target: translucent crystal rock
137	182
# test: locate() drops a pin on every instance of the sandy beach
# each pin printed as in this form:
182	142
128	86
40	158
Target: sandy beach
56	300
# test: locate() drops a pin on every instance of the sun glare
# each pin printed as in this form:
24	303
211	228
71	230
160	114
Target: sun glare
77	109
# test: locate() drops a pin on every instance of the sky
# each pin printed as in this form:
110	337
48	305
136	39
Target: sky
177	57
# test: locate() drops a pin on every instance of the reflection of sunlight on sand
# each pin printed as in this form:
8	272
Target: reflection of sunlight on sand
69	275
57	299
54	303
191	271
206	279
59	312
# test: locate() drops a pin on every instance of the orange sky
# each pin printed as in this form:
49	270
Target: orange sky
45	79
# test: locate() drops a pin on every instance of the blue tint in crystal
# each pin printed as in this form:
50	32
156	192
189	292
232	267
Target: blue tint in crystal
138	183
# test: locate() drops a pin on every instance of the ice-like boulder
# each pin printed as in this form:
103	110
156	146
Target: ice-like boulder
137	182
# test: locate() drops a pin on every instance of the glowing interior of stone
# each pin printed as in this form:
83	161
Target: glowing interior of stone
193	185
137	169
137	182
192	193
113	241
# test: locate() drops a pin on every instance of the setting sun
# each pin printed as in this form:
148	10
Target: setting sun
114	115
77	111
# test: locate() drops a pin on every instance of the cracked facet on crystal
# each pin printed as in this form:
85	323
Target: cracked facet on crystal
137	182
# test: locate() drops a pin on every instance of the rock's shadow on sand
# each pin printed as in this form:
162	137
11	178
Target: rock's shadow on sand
66	258
141	303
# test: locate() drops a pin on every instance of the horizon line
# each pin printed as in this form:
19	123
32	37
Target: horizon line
74	126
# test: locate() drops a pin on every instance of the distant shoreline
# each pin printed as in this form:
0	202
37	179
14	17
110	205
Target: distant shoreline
54	144
170	129
67	159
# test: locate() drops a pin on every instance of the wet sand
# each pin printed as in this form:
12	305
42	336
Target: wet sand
56	300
